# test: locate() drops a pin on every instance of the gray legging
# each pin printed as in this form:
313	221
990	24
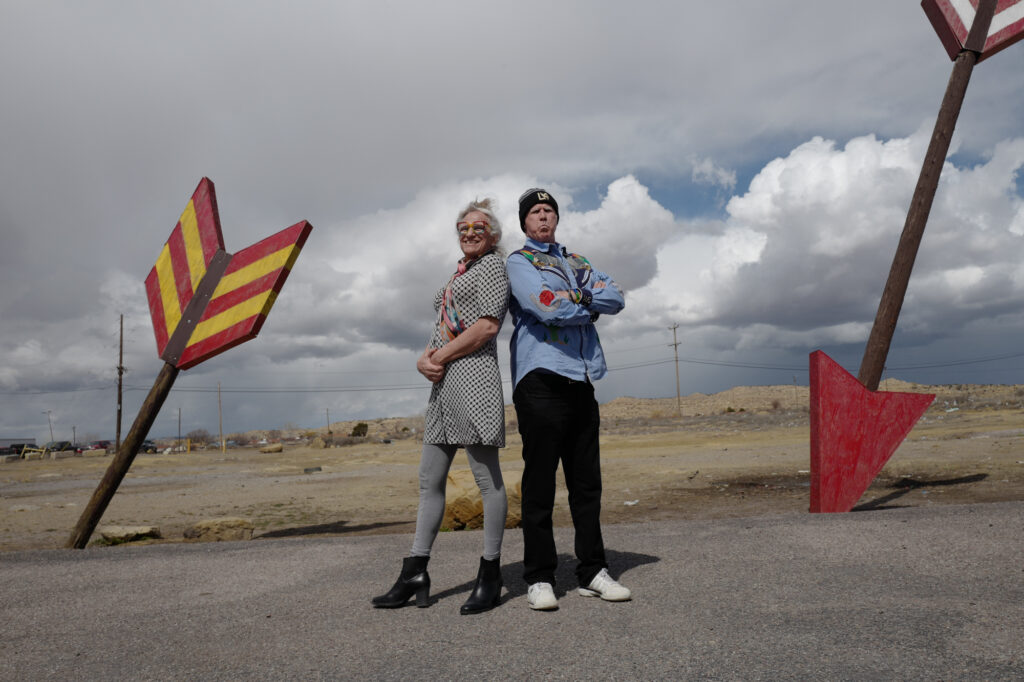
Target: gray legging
434	464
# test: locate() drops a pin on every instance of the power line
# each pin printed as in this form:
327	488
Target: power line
37	391
258	389
957	363
422	386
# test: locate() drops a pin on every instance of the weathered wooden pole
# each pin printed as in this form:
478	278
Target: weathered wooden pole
921	204
123	459
203	301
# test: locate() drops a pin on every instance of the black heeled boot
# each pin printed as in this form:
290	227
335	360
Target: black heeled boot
413	580
487	590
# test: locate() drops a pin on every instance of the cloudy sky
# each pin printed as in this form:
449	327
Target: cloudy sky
742	168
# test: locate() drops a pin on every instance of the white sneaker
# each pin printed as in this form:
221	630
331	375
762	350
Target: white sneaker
605	587
541	597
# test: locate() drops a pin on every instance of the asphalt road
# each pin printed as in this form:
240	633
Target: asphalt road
910	594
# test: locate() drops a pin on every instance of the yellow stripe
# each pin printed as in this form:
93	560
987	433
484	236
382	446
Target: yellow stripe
253	271
258	304
193	244
168	290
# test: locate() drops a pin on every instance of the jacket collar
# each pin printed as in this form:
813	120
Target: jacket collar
546	247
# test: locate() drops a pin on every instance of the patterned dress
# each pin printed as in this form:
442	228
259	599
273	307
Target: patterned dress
467	406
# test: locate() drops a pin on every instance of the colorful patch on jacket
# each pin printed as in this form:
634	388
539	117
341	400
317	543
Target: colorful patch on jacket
555	335
545	262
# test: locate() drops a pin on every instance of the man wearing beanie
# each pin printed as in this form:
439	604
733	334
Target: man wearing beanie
556	354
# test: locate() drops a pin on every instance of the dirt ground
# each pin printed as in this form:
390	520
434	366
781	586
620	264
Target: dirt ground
744	452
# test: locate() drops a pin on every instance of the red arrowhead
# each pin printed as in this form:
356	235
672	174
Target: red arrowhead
854	432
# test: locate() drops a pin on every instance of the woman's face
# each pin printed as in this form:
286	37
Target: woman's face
474	238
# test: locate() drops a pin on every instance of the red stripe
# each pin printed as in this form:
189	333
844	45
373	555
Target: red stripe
240	332
953	18
296	234
956	22
1003	39
204	200
179	263
243	293
222	341
156	310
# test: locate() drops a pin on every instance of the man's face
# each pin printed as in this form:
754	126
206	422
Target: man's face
540	224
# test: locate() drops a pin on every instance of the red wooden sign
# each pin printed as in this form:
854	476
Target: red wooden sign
952	20
202	299
854	432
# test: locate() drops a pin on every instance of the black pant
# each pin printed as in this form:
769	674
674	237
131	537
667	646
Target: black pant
559	420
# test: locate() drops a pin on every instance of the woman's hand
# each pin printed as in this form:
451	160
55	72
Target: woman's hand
433	371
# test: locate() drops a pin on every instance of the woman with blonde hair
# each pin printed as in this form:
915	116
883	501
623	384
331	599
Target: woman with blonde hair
466	408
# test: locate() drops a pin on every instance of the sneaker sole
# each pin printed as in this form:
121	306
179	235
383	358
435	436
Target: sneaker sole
586	592
544	607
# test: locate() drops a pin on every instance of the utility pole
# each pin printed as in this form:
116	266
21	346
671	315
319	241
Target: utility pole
50	422
179	429
220	421
675	349
120	373
328	411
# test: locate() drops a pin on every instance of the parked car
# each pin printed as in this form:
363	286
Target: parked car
97	445
58	446
148	446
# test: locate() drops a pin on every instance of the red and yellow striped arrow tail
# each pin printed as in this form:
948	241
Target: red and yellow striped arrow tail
244	295
183	262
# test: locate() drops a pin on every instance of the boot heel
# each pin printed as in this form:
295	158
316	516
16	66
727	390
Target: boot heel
486	592
414	580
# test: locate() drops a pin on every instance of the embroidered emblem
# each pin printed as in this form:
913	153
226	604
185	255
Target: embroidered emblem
546	297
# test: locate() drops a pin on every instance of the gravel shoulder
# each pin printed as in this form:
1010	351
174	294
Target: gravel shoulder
748	458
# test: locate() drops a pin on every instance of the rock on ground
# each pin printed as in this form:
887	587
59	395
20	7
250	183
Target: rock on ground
464	508
222	529
118	534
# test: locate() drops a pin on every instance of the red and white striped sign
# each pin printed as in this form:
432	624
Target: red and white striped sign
952	20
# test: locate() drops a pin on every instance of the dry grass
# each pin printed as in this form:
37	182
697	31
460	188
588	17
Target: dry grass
705	463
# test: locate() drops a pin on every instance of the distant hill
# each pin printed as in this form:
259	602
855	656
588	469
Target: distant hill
739	398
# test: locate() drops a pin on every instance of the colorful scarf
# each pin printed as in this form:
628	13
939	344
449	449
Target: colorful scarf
450	322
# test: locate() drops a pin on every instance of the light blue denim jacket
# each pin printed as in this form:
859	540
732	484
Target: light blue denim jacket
551	332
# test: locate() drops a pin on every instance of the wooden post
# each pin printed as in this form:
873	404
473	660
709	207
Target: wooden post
920	206
675	349
120	374
123	460
220	421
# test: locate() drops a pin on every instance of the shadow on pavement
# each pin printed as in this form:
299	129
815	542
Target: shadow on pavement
334	528
907	484
619	564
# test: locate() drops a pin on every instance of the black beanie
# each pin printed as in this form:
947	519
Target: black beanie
531	198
